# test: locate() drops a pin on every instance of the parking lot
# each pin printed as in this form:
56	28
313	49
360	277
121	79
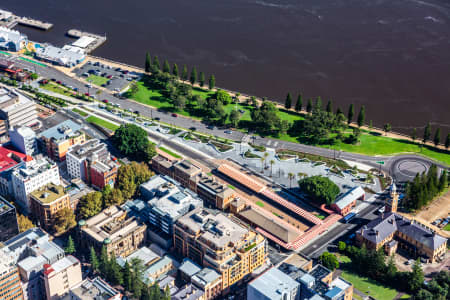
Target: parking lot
113	79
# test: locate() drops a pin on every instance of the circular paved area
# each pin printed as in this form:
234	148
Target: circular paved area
406	169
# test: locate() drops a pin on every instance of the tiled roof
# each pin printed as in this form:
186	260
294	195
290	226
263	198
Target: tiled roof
240	177
347	198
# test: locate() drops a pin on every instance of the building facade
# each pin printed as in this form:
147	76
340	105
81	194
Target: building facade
61	276
58	139
8	220
9	161
222	243
45	203
345	203
23	139
12	40
10	287
32	176
122	235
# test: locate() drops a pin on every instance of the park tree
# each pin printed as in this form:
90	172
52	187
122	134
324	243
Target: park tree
329	261
64	220
104	261
234	118
90	204
329	108
416	277
437	137
115	272
391	269
309	106
443	181
179	102
341	246
299	103
155	64
184	73
423	294
193	78
414	134
265	118
201	80
131	140
318	105
318	126
127	278
131	176
319	189
351	113
24	223
70	247
223	97
175	71
212	82
447	141
426	133
94	260
114	197
148	62
387	127
362	116
370	124
288	101
166	66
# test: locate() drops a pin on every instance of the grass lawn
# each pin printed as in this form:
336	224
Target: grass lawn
169	152
97	80
447	227
259	203
80	112
102	123
57	89
232	187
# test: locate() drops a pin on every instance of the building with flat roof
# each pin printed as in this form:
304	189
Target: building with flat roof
58	139
92	162
31	250
166	265
60	56
9	160
122	235
144	254
46	202
209	281
185	172
8	220
23	139
32	176
273	285
10	287
93	289
15	110
215	193
61	276
188	292
12	40
344	204
220	242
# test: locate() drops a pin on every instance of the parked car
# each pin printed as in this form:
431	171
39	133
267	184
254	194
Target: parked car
210	127
109	76
58	82
105	101
87	94
228	131
174	115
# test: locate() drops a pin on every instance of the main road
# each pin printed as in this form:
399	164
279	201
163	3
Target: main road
400	167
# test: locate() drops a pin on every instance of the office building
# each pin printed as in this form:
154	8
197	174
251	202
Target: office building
273	285
15	110
32	176
9	161
8	220
31	250
93	289
12	40
45	203
122	235
58	139
10	287
185	172
60	56
92	162
23	139
220	242
344	204
216	194
188	292
61	276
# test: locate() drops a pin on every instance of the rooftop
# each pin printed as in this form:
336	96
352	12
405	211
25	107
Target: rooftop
189	267
205	277
144	254
159	265
12	100
62	131
48	193
35	168
350	196
10	158
188	292
88	149
5	205
24	131
60	55
187	167
61	265
214	186
273	283
94	289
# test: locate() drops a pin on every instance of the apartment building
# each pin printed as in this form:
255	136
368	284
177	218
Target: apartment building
185	172
93	289
122	235
58	139
45	203
220	242
31	250
8	220
206	279
32	176
10	287
215	193
92	162
273	285
23	139
9	161
61	276
15	110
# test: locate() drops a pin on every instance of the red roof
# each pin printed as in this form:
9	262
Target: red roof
9	158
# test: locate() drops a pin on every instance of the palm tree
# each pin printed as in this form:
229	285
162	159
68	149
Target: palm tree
263	159
291	176
271	167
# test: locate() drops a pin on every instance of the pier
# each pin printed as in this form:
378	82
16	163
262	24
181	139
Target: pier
12	20
87	41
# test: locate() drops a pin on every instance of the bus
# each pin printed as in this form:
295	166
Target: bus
348	217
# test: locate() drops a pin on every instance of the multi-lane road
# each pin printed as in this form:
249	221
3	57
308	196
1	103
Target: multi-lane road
401	167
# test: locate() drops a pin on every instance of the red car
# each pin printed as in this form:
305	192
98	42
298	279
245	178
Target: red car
58	82
105	101
44	81
109	76
125	72
86	94
174	115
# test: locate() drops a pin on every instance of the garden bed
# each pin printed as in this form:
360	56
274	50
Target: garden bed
258	147
221	147
249	154
286	157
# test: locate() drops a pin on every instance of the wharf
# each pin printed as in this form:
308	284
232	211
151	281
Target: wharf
15	20
98	40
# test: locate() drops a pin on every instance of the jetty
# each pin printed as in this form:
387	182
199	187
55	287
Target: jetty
10	20
86	40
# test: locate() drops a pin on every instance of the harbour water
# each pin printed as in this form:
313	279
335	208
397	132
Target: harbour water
393	56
